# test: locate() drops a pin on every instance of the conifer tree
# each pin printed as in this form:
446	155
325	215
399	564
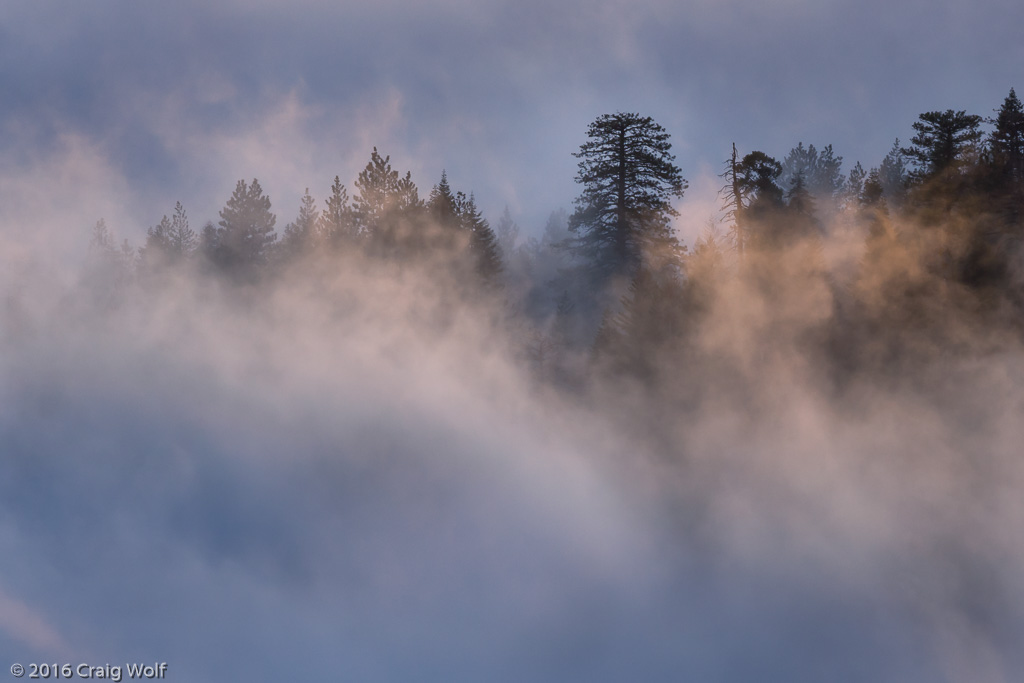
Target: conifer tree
759	180
209	243
758	176
157	249
891	177
629	179
300	235
441	204
1007	140
407	195
943	139
337	224
183	239
377	187
482	243
799	198
821	171
853	190
246	230
800	222
507	233
873	192
385	201
169	242
1006	148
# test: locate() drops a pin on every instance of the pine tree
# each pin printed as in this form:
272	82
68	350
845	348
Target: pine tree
1006	147
183	239
762	198
483	244
337	224
873	192
759	180
508	234
300	235
943	140
821	171
246	230
157	249
209	243
168	243
386	205
799	198
892	176
377	185
853	190
801	222
441	204
1007	140
407	197
628	176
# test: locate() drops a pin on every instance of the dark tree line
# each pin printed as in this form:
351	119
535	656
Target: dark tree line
941	218
385	218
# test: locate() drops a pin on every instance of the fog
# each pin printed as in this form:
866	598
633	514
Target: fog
354	471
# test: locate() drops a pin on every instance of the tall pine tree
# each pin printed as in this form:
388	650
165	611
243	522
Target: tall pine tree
629	180
1007	140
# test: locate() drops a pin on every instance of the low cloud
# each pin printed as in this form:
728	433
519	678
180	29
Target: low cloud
354	471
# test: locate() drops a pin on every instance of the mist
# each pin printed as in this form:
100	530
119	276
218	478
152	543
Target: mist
790	452
355	469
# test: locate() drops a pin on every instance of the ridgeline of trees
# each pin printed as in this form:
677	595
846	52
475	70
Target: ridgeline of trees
610	289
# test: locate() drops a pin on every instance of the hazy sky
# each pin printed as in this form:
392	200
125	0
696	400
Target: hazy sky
177	101
327	487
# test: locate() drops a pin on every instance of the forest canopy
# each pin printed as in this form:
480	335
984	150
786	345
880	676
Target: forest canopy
937	220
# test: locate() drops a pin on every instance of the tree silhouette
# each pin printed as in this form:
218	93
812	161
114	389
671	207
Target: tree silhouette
441	204
820	170
629	178
1007	139
734	201
892	176
378	188
482	242
183	239
300	236
386	204
337	223
168	243
760	196
246	230
943	138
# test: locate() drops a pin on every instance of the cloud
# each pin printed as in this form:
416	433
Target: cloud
353	472
356	473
